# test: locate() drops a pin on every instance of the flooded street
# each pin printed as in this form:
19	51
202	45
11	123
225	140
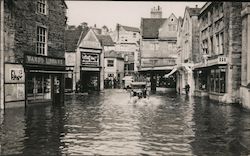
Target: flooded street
109	124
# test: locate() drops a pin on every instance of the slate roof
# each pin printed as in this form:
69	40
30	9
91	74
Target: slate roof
105	40
127	28
72	38
150	27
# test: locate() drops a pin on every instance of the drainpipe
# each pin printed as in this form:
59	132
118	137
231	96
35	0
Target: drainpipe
2	56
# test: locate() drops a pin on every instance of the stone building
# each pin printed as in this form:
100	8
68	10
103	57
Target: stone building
245	58
158	51
113	66
72	35
126	40
217	74
188	48
32	52
89	62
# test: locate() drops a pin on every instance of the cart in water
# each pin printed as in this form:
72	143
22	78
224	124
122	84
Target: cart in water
139	89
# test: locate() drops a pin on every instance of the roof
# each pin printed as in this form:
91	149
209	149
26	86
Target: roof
193	11
150	27
72	38
127	28
105	40
112	54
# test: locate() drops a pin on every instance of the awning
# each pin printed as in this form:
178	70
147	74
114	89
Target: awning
172	72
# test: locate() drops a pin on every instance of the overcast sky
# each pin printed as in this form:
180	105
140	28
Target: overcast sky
127	13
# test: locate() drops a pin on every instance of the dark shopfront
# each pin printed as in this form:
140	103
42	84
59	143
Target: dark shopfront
44	79
90	80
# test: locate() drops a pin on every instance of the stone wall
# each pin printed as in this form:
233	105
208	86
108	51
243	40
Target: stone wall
21	20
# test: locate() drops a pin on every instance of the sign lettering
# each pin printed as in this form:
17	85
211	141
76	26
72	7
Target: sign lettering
44	60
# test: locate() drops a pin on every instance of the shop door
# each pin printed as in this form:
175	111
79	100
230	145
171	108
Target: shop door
90	81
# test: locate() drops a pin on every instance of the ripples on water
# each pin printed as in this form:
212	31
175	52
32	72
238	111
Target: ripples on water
109	124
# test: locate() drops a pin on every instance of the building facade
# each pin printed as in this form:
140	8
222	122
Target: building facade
32	52
245	58
113	68
218	73
89	63
127	42
188	49
158	50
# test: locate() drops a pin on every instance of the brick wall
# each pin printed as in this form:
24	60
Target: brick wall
21	20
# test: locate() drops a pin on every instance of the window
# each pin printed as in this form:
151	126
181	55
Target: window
205	47
217	44
39	87
221	40
218	80
41	45
41	7
110	63
211	44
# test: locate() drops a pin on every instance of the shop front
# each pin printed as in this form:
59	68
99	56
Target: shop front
211	82
90	71
44	80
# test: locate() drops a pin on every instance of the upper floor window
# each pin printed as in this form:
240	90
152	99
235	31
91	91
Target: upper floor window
110	63
42	6
41	41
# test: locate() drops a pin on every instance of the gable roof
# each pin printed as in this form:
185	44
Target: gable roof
83	34
105	40
127	28
150	27
71	39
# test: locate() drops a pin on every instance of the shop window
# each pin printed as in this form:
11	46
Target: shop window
110	63
218	80
42	7
223	81
41	45
39	87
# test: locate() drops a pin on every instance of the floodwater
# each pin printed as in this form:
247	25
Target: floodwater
110	124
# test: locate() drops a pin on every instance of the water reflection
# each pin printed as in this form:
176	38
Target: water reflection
107	124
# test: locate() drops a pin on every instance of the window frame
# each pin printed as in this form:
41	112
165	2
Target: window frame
40	5
38	41
110	64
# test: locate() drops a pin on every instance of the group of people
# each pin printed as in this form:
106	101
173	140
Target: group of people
111	83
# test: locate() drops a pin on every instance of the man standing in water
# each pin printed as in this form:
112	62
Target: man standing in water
187	87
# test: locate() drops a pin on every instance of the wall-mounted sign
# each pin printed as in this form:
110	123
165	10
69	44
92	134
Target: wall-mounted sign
43	60
14	73
89	59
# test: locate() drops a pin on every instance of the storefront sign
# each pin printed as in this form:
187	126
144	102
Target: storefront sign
90	69
29	59
89	59
14	73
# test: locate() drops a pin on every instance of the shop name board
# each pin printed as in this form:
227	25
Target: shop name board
44	60
89	59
